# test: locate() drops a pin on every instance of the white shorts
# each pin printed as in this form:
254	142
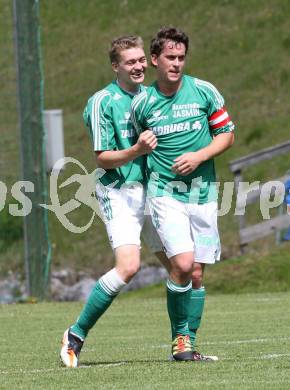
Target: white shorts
186	227
123	214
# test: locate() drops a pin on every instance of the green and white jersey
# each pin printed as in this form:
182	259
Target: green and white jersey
184	122
107	115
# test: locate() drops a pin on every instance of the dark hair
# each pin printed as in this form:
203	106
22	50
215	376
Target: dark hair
122	43
168	34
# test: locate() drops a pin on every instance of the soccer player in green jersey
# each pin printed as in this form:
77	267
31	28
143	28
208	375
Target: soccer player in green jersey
192	126
120	153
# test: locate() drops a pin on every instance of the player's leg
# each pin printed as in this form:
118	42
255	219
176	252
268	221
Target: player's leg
173	228
198	294
207	251
153	242
101	297
197	300
152	239
126	245
178	299
107	288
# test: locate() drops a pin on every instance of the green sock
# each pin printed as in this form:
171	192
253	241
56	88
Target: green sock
178	298
196	306
98	302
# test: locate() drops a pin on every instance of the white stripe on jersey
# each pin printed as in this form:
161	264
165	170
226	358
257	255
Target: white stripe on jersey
96	115
212	88
219	99
136	102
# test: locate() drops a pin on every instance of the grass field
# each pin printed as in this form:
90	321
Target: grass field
129	347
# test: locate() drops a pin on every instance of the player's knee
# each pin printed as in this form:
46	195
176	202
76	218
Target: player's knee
186	269
130	269
196	276
183	269
196	280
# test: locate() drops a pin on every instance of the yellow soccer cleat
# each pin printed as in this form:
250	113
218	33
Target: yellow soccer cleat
182	349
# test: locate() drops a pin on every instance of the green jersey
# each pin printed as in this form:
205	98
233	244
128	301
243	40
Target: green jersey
184	122
107	115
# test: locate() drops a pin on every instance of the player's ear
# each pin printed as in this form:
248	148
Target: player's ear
154	59
115	66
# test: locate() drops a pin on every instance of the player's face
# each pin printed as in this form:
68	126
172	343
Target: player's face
131	67
170	62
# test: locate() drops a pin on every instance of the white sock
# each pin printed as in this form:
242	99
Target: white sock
111	282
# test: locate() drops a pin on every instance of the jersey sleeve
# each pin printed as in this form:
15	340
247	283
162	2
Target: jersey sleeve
98	118
218	117
137	112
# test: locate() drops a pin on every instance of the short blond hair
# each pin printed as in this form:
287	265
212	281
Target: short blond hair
122	43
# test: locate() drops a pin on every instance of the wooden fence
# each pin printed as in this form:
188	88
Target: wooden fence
249	233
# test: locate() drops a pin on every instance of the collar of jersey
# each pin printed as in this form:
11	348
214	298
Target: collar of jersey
127	92
174	94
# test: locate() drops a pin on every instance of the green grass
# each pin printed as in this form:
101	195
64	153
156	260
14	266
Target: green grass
256	271
129	347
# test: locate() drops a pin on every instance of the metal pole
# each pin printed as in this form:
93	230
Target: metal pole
30	106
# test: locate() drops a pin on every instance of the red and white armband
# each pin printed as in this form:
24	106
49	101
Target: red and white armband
219	119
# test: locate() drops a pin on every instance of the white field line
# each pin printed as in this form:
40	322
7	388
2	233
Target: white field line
45	370
270	299
261	357
250	341
275	355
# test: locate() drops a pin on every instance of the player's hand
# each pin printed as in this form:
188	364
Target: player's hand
187	163
147	141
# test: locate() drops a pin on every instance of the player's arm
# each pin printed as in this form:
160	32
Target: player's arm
188	162
110	159
97	116
146	142
220	126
